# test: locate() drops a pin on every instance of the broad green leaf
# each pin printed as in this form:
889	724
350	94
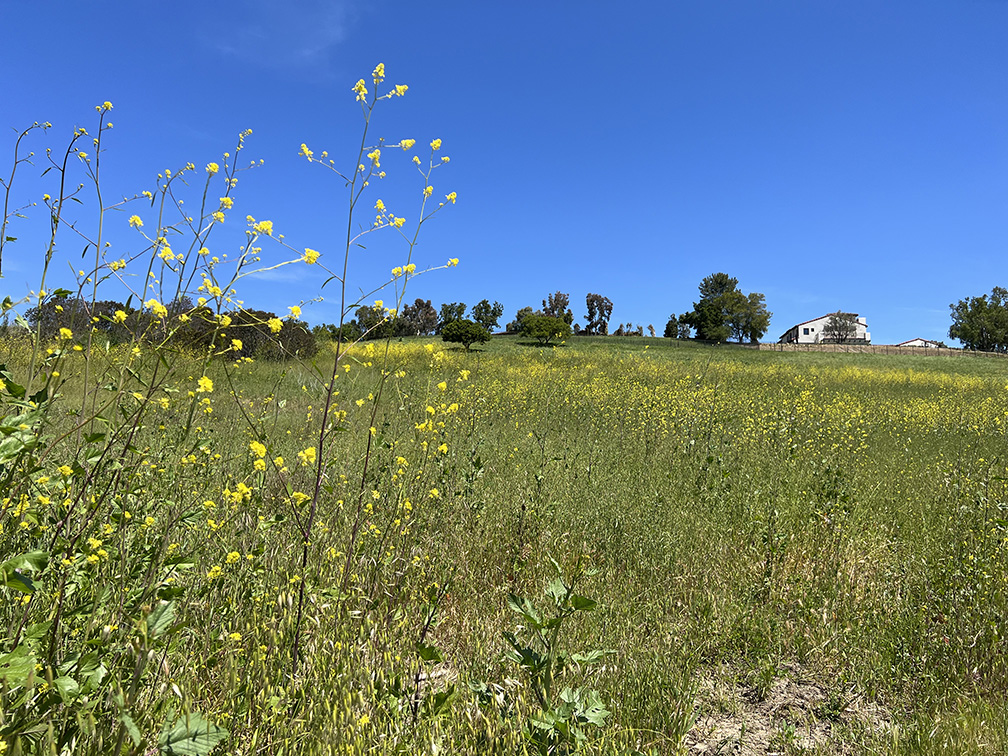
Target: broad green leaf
67	688
191	736
16	667
160	618
592	657
131	728
429	653
437	704
582	603
37	631
525	609
12	572
557	590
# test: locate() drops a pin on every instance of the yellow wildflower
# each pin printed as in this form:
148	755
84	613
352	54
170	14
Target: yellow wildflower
135	221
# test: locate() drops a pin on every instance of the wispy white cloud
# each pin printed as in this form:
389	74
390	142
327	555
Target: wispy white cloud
281	33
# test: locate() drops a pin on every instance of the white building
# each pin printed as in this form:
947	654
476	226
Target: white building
812	332
919	342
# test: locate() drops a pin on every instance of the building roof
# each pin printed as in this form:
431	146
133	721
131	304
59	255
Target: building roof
917	338
813	320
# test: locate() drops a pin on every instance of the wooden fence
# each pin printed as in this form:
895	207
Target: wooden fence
879	349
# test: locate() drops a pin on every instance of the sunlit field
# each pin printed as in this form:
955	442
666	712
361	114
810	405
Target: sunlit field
221	535
701	526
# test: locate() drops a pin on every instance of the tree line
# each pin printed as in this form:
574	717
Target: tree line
722	312
243	332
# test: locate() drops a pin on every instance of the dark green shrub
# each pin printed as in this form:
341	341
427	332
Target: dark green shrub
544	328
464	332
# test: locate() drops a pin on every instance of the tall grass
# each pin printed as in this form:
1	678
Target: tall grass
400	547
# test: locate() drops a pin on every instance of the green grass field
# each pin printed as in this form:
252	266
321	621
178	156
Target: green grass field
620	545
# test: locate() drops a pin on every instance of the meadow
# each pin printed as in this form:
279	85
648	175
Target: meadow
704	525
611	545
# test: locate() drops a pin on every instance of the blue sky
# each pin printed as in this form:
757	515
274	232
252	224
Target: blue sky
832	155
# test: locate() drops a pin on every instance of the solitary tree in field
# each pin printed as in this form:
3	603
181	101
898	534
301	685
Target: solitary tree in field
545	328
840	328
724	311
464	332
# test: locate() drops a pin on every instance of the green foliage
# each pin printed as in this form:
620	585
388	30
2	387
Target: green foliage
558	723
515	326
487	315
981	323
544	328
599	311
464	332
557	306
723	311
373	322
348	333
191	735
840	327
677	327
450	311
417	319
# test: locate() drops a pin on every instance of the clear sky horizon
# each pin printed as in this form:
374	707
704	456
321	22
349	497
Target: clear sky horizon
831	155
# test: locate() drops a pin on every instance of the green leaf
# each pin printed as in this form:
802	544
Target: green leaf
35	632
16	667
67	688
131	728
583	604
525	609
429	653
62	293
191	736
592	657
10	238
16	389
438	703
12	572
557	590
161	618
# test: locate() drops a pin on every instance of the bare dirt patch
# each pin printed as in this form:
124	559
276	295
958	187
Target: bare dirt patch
792	713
